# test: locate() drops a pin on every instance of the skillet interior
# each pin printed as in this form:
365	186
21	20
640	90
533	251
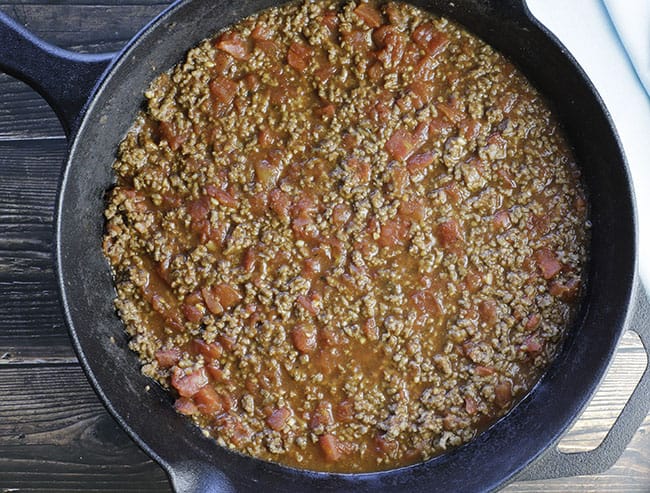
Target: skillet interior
484	463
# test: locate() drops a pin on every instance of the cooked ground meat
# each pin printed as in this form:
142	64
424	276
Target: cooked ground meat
348	236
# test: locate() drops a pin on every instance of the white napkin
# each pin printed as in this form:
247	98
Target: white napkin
631	19
585	28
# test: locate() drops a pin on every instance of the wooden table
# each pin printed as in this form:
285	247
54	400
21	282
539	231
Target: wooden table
54	433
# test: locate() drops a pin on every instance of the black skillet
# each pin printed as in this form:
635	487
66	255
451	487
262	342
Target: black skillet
97	97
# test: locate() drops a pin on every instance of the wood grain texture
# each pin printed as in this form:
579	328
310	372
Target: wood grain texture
69	443
54	433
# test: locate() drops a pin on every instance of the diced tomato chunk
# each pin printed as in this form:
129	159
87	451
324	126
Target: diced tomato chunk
393	232
329	444
469	128
370	329
488	311
533	321
233	44
501	220
370	15
483	371
413	210
401	144
307	304
449	233
227	295
386	445
393	51
548	263
532	345
216	372
250	260
266	172
426	301
210	351
278	418
211	301
503	393
279	203
223	89
199	209
188	384
419	162
422	93
167	358
208	401
261	32
470	405
330	20
192	312
344	411
340	214
173	138
451	112
304	338
222	196
185	406
566	291
299	56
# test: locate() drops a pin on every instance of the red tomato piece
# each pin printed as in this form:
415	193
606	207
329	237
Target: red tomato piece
188	384
449	233
233	44
208	401
393	232
167	358
227	295
503	393
487	309
370	15
192	312
223	197
185	406
299	56
548	263
304	338
211	301
278	418
401	144
470	405
329	444
223	89
419	162
279	203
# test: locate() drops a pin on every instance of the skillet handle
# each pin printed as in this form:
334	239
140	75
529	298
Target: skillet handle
198	477
64	78
556	464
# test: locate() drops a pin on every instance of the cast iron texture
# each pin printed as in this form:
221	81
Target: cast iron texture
195	463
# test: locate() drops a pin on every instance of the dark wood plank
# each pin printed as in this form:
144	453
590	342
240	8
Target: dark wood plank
31	325
24	114
84	27
69	442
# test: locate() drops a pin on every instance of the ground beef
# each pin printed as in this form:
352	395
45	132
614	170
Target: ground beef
348	236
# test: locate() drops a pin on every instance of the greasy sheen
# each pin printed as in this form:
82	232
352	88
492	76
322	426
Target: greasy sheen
348	236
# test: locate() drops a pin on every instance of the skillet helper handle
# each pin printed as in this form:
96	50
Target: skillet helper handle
556	464
198	477
64	78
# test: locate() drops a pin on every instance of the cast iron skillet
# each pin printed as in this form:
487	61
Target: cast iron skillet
106	91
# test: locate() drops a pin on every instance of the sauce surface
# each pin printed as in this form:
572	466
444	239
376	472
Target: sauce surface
348	236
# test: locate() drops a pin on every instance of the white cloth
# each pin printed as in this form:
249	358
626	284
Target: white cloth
584	27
